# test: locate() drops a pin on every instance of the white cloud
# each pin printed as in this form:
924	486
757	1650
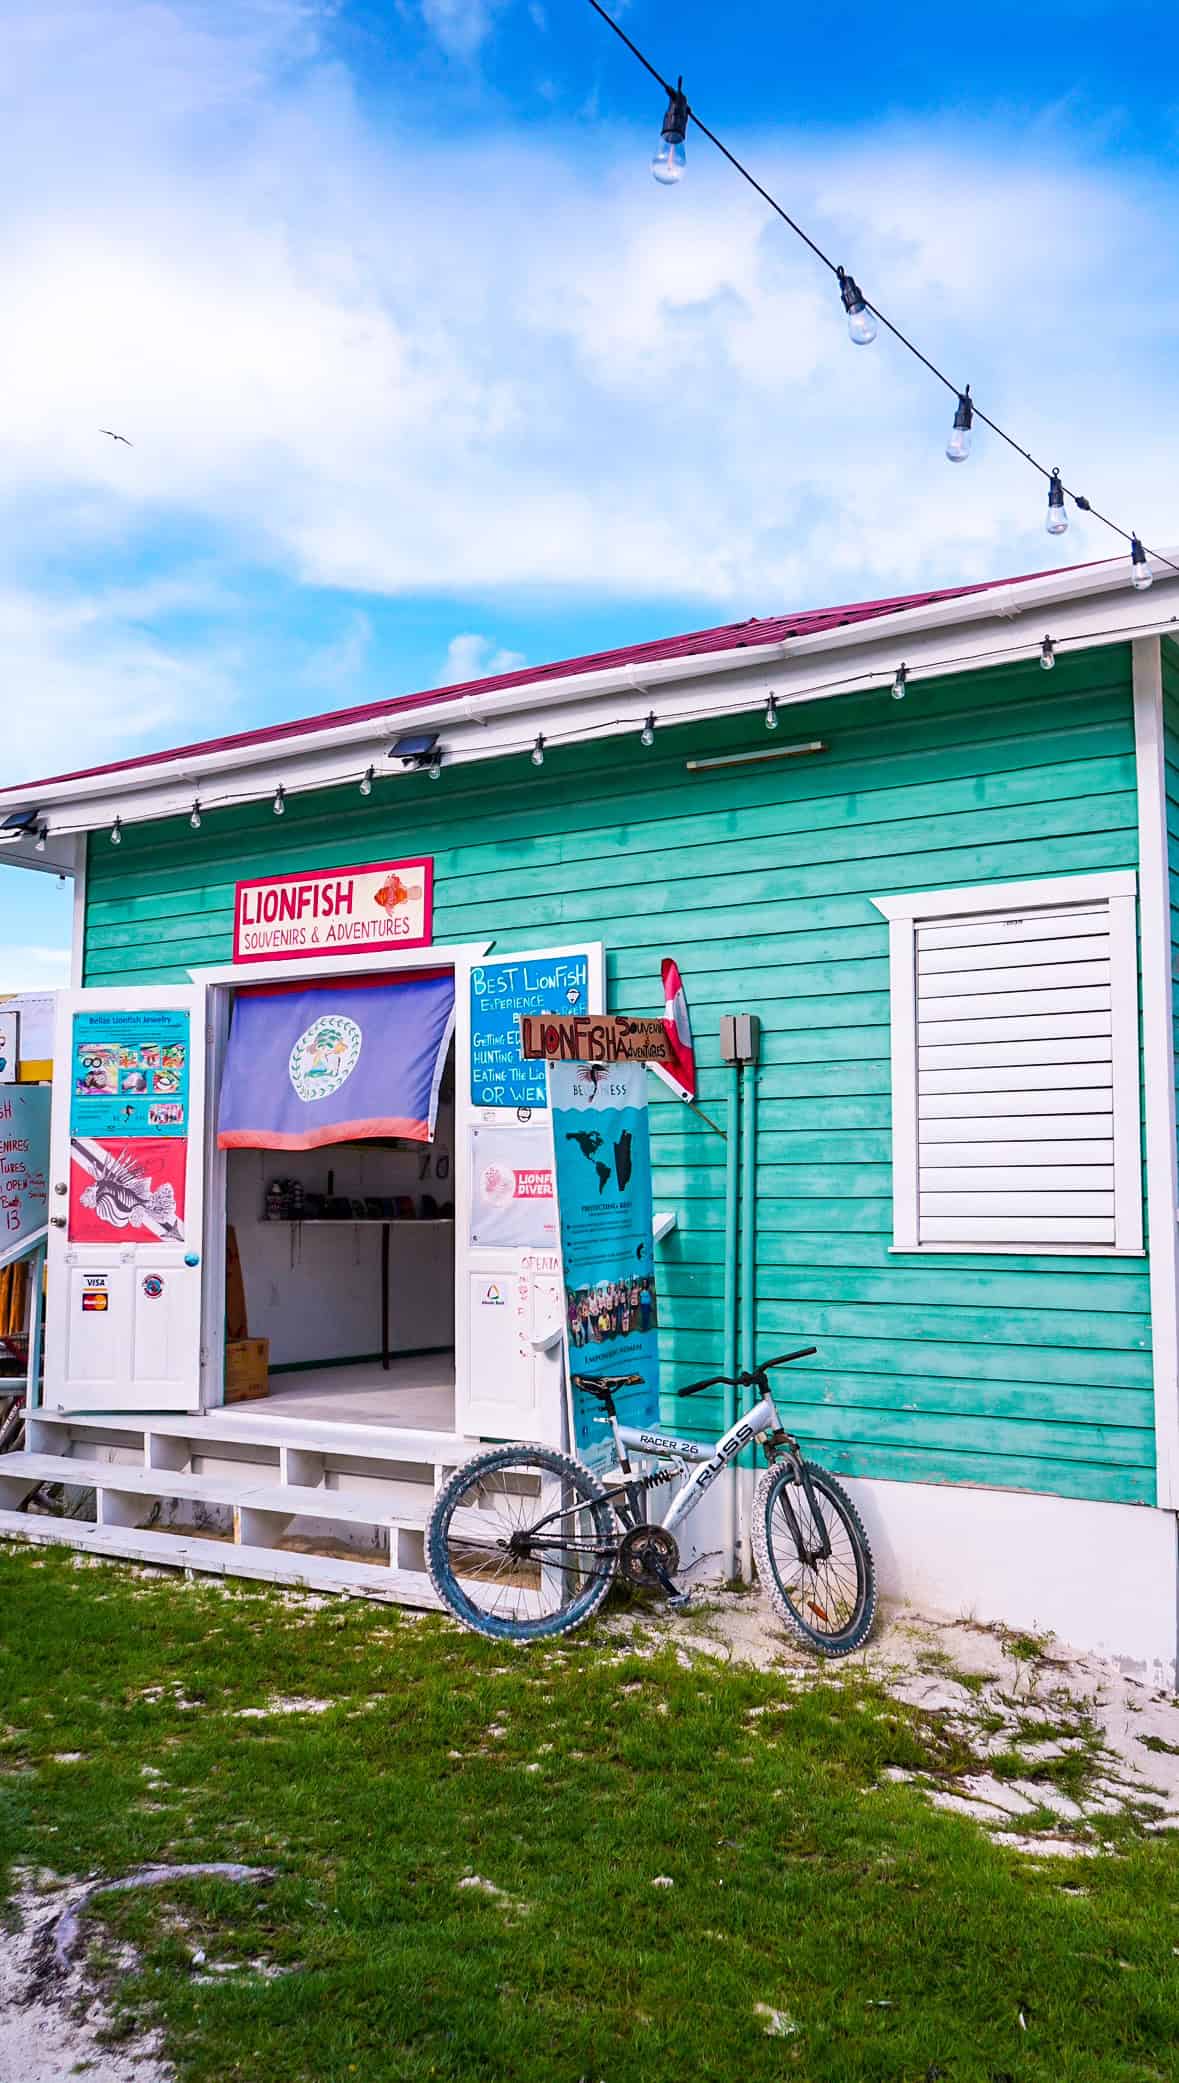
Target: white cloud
476	658
89	680
32	968
461	26
405	360
337	663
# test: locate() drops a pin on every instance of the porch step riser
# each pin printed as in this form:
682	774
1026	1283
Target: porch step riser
363	1513
225	1559
222	1489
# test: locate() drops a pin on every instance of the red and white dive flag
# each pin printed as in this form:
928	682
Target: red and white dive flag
680	1073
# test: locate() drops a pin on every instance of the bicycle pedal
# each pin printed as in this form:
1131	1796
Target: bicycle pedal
679	1601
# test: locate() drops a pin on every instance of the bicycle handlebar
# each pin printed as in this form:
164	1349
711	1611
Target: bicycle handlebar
743	1380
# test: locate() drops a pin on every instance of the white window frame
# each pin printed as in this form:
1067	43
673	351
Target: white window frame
908	910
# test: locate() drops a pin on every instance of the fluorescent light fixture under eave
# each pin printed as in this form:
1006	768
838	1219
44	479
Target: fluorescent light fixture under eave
748	759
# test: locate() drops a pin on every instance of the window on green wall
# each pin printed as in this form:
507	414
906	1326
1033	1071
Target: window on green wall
1015	1105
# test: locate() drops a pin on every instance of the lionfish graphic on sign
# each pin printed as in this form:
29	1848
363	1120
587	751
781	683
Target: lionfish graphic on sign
324	1057
122	1194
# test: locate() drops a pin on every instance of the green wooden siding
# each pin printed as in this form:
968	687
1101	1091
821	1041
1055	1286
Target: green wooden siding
1027	1371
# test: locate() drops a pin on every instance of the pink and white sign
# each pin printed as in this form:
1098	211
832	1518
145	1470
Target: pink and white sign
513	1199
335	911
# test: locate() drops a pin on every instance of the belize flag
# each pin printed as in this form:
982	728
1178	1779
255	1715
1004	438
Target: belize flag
680	1073
340	1061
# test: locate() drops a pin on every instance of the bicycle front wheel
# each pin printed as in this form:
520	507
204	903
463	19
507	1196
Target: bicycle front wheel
522	1543
827	1599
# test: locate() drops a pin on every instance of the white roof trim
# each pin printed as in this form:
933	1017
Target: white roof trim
941	637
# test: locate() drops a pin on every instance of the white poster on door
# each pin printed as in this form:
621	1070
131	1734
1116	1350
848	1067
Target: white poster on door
513	1201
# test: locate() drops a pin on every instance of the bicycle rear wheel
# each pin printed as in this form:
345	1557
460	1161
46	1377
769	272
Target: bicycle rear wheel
522	1543
829	1601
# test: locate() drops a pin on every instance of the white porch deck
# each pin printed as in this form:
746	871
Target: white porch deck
326	1483
417	1391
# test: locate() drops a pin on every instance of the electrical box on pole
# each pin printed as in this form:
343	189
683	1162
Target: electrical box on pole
740	1037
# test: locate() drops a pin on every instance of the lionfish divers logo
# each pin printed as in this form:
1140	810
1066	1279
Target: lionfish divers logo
324	1057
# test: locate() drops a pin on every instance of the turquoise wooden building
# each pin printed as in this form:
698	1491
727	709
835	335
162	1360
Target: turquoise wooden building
940	877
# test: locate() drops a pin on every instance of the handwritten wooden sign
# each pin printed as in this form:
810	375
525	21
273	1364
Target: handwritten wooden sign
593	1038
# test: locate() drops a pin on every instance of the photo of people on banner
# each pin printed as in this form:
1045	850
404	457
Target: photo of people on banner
613	1309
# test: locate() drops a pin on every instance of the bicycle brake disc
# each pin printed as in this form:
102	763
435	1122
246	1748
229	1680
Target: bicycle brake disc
638	1548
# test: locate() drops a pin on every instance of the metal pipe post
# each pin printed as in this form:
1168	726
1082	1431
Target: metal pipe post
748	1294
732	1303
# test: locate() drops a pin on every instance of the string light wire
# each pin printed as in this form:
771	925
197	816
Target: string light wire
877	679
1127	534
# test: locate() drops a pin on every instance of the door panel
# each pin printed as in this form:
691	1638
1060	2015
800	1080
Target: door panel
509	1363
126	1201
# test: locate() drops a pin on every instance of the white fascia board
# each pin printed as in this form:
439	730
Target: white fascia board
949	636
1007	896
439	955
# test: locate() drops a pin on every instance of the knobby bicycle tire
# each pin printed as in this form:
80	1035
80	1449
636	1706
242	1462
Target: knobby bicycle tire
771	1530
520	1457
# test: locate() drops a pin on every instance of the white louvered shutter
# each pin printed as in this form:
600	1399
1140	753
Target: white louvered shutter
1025	1114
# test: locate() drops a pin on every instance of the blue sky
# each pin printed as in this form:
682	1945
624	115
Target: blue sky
424	374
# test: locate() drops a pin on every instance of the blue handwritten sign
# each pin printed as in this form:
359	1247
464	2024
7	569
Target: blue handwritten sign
24	1164
500	993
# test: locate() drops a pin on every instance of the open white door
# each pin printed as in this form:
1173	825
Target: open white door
509	1294
123	1316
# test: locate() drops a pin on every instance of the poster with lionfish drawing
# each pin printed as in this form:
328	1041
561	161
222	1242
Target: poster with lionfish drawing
129	1192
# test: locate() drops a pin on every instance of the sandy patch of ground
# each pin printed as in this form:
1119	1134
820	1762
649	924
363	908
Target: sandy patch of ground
52	2028
1070	1741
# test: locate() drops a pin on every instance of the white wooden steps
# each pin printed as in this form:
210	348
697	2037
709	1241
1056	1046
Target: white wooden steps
335	1507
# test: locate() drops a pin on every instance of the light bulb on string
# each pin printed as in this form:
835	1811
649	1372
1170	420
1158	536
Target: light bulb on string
537	754
117	832
861	322
1057	519
280	801
647	734
1047	654
958	445
1141	575
900	685
771	712
434	770
42	836
670	161
195	819
366	785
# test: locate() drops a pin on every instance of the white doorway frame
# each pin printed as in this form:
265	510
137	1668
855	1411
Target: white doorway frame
219	984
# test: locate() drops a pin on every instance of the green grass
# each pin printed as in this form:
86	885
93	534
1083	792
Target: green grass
899	1940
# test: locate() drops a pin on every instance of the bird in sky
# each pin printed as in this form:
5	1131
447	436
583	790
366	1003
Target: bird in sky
117	437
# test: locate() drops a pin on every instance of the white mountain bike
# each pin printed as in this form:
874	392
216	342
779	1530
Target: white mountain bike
524	1542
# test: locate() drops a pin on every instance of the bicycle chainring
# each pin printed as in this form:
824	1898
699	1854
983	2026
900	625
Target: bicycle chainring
636	1552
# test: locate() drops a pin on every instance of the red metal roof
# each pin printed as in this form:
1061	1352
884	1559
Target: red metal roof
727	636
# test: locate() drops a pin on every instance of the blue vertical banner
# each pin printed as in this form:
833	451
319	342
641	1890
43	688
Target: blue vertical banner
602	1149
